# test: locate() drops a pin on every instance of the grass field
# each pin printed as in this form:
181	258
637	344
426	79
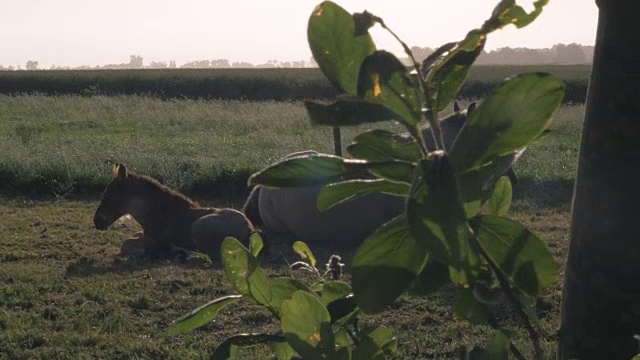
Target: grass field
63	294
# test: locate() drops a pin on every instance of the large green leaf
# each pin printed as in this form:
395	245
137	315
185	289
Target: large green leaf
343	345
520	255
346	111
385	265
282	289
333	290
394	171
376	343
507	121
435	212
343	310
336	46
282	350
467	307
476	185
384	80
500	199
243	271
431	278
308	169
382	145
337	193
228	348
306	325
201	315
448	72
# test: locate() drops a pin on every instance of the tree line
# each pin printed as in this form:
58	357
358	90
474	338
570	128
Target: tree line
559	54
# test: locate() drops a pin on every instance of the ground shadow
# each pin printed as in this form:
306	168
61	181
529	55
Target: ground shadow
550	194
89	266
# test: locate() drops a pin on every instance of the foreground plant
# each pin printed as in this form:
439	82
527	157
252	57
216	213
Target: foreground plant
454	226
317	321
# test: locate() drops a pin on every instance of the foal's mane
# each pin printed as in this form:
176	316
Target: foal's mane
150	184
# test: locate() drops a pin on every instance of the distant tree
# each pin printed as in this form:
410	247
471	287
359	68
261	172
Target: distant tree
569	54
298	64
197	64
242	65
220	63
158	65
135	61
31	65
312	62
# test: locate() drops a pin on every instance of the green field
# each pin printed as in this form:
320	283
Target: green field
63	294
248	84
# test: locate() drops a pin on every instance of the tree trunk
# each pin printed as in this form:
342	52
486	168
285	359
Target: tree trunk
601	299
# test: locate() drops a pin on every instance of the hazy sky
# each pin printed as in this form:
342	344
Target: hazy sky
91	32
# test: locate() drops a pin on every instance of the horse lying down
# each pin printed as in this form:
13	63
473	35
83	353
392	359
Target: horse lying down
170	221
293	211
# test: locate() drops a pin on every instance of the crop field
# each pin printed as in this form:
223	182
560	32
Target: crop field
279	84
64	293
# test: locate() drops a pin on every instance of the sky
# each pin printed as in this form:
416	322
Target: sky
91	32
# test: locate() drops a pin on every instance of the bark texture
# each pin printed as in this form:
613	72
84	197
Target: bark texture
601	299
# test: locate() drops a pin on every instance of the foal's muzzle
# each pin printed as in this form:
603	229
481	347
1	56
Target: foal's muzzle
101	222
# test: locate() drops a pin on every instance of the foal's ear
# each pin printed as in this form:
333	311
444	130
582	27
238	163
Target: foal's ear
120	171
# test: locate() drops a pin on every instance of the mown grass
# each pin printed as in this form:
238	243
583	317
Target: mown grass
64	294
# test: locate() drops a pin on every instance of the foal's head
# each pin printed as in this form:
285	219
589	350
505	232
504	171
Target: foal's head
116	198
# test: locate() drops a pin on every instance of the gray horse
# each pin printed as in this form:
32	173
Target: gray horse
293	211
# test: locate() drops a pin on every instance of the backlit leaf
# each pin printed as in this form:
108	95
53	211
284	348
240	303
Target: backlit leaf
282	289
385	265
500	199
309	169
201	315
384	80
305	253
376	343
520	255
336	46
255	244
435	213
306	325
382	145
507	121
243	271
337	193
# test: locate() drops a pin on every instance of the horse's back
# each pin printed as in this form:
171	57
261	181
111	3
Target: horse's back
210	230
294	211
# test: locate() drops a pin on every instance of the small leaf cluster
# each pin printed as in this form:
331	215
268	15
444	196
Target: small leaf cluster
317	322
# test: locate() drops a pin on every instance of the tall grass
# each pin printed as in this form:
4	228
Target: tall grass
67	144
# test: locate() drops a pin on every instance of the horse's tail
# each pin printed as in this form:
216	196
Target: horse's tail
251	208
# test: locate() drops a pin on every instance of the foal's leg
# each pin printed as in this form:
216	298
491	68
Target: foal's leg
133	246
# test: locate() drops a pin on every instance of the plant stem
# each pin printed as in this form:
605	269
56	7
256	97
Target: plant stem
506	287
431	119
